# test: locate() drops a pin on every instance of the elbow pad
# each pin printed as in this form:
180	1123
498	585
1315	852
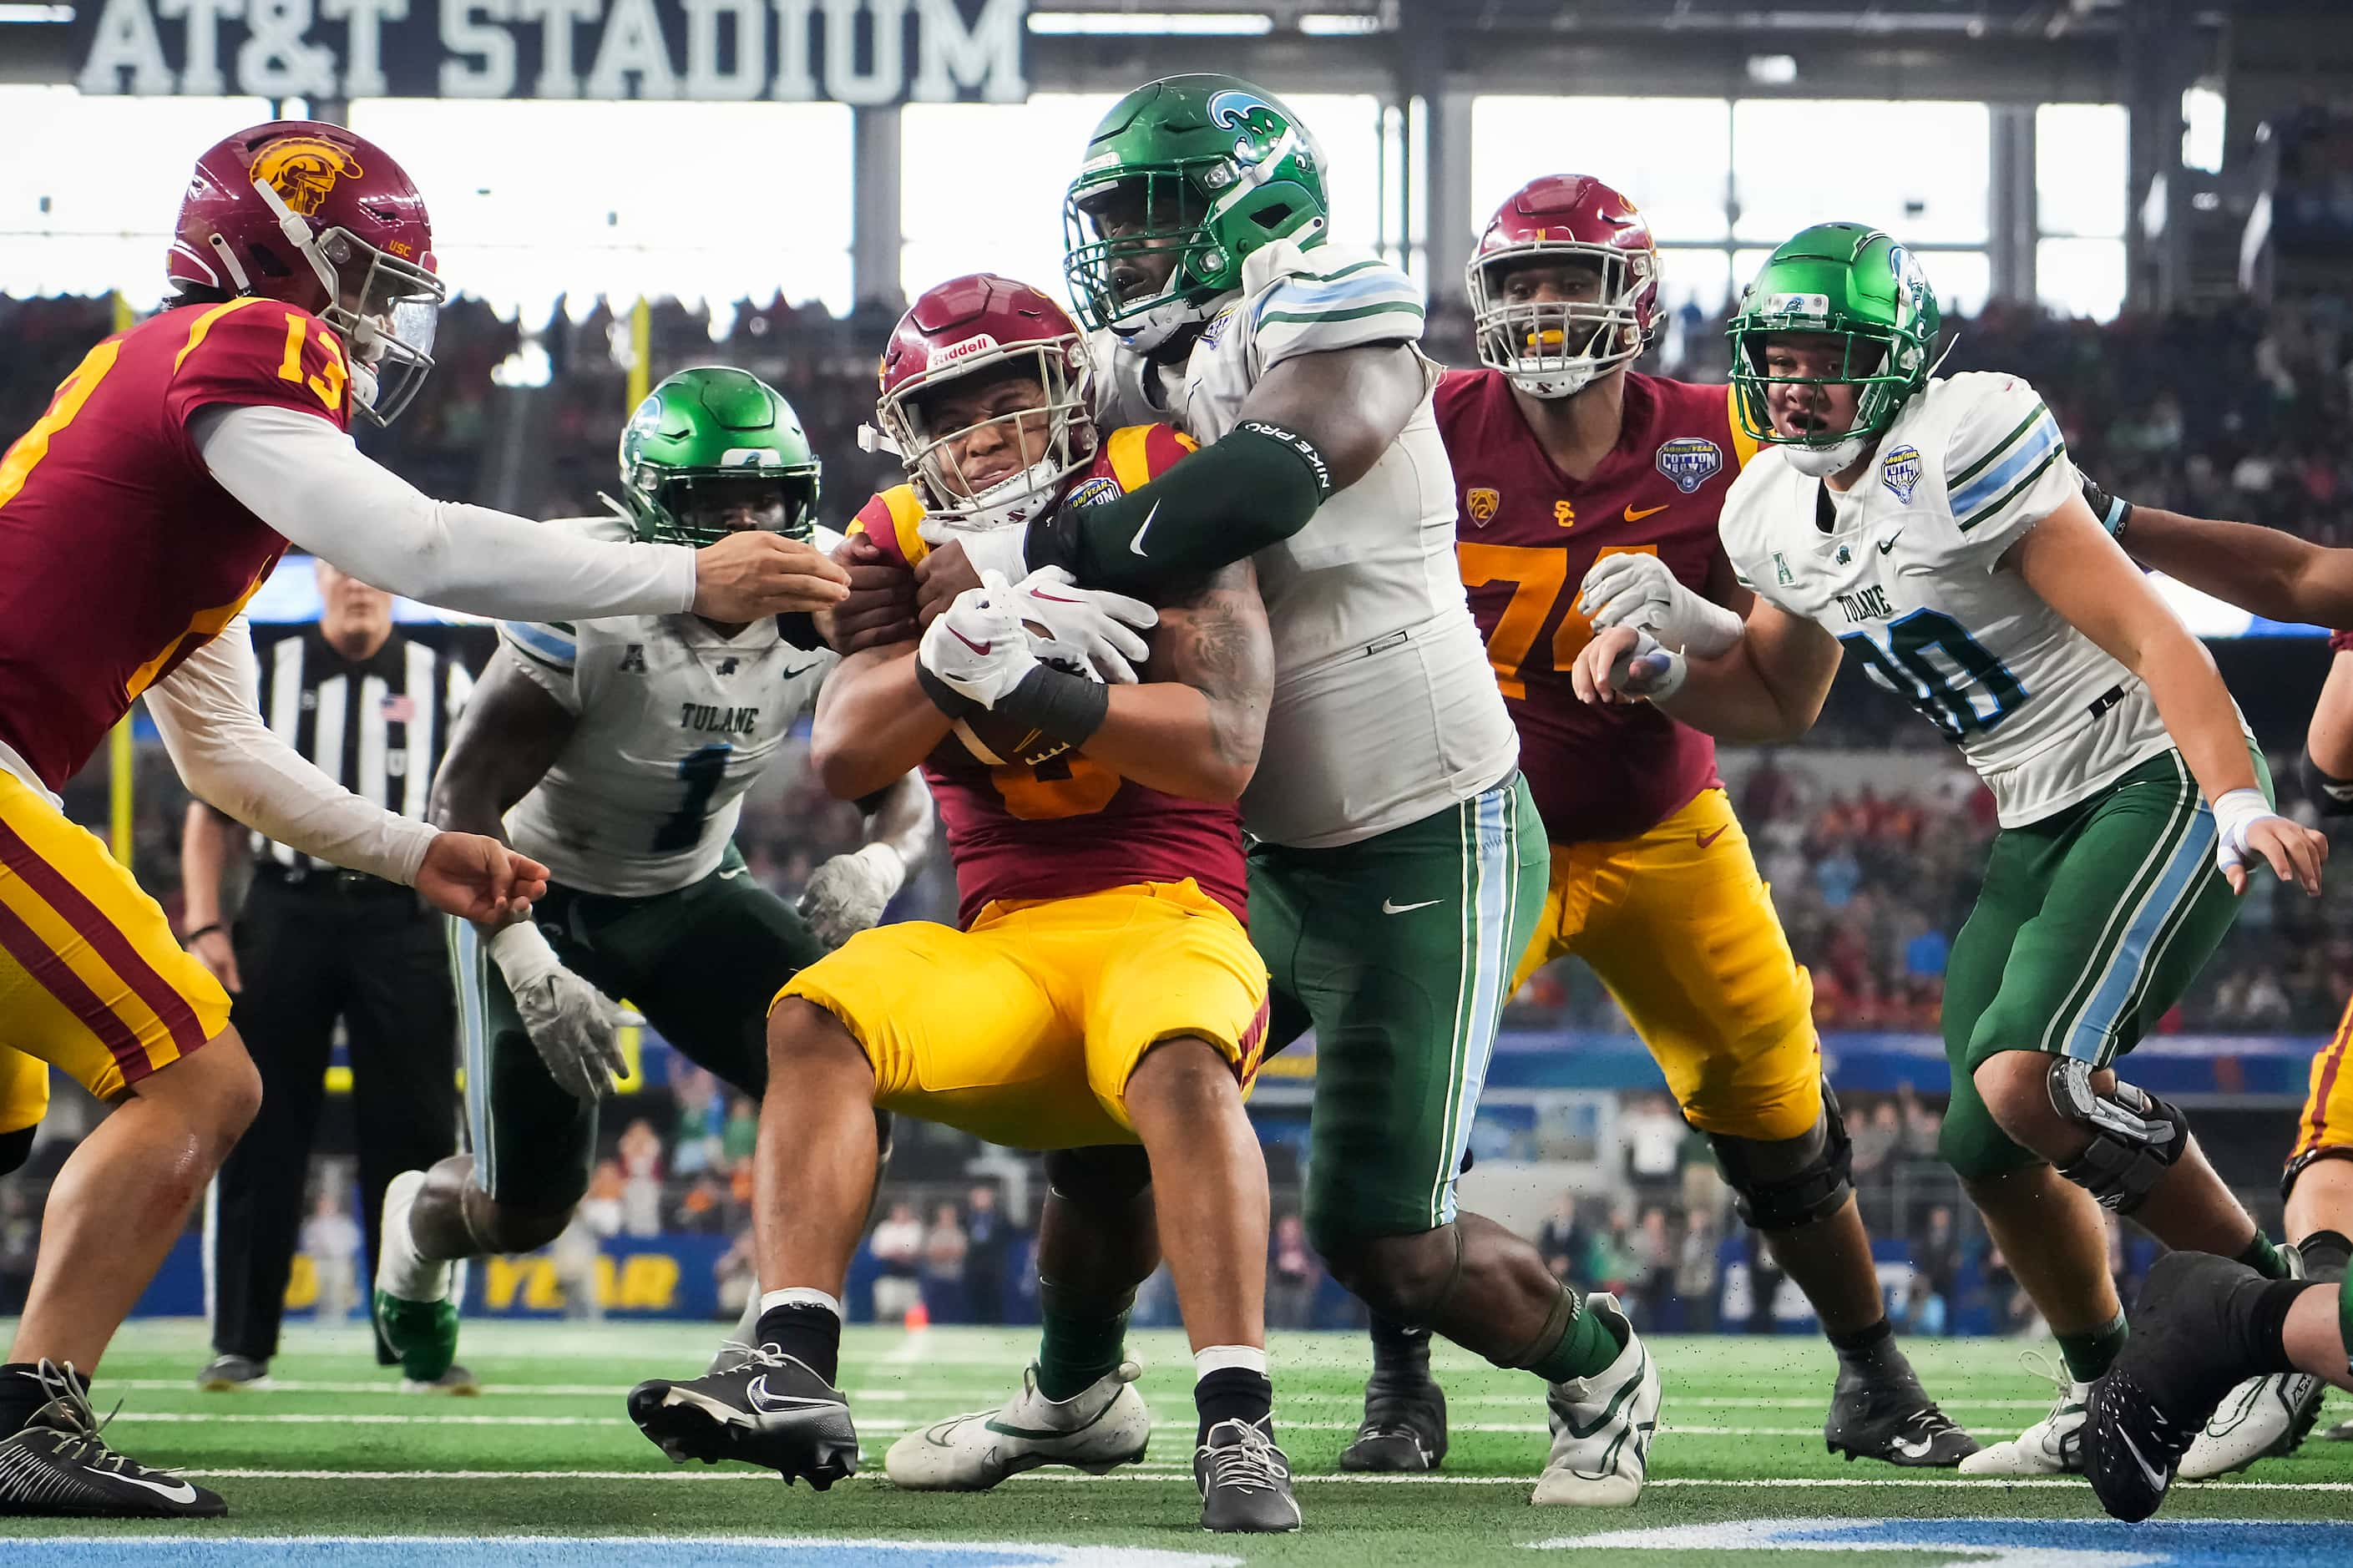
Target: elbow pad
2329	797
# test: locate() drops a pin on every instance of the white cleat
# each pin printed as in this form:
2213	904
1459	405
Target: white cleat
1601	1426
2263	1417
1098	1429
2053	1446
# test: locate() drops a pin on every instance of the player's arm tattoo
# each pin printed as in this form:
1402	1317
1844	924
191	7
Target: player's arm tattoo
508	736
1215	639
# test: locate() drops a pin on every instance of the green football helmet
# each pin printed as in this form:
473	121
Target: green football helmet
1847	282
1199	170
705	445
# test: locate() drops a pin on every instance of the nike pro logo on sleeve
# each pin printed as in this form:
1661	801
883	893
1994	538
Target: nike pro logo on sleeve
1390	908
1136	544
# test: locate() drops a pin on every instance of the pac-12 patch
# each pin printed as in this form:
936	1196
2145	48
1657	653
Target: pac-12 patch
1481	501
1689	461
1900	472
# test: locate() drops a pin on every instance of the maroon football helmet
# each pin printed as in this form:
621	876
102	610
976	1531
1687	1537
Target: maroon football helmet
305	212
970	330
1553	347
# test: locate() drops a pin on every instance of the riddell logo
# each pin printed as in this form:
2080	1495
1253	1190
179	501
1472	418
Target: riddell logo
979	343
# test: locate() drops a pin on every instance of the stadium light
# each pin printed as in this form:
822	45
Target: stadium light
1772	70
1211	24
17	11
1339	23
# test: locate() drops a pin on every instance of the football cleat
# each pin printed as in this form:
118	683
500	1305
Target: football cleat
1244	1481
2053	1446
58	1466
1601	1425
2185	1356
1097	1429
1404	1429
2263	1417
455	1381
423	1333
1892	1419
227	1374
771	1410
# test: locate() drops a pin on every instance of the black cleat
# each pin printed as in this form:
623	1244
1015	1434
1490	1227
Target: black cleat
1403	1430
227	1374
1893	1419
2183	1357
58	1467
1244	1480
769	1410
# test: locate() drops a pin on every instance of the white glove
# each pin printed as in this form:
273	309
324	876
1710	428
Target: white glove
1000	550
1648	669
1101	625
979	645
1638	590
2235	814
569	1020
849	892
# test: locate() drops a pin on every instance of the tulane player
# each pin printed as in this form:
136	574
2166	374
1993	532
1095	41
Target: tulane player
1936	529
1399	864
620	749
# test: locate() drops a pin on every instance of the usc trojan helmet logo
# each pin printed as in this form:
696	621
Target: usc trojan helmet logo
303	169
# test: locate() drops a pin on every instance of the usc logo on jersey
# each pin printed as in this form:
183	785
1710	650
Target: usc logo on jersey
1564	514
303	169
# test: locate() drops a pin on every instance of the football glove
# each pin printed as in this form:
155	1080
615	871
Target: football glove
1638	590
849	892
978	649
999	550
1648	669
569	1021
1102	626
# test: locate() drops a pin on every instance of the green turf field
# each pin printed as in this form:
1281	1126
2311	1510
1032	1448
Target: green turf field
344	1467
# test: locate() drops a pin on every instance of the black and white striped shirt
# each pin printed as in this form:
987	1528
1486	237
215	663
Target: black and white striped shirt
377	726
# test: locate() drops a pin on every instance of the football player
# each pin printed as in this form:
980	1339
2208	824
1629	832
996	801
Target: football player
1101	992
617	753
1936	529
2289	579
1566	455
137	516
1398	870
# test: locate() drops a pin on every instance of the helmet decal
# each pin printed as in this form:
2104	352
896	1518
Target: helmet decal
303	169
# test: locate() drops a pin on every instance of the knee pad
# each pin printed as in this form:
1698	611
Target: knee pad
2288	1177
1103	1180
1784	1185
17	1147
2136	1137
2329	797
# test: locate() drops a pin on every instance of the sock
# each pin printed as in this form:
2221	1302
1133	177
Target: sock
2263	1258
2259	1314
1401	1355
405	1273
1871	1353
1231	1384
1588	1342
805	1325
2087	1354
1080	1343
2326	1254
21	1394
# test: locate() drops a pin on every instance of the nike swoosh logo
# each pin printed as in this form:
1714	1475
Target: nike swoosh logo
733	872
1633	516
1912	1449
763	1400
804	669
980	647
2155	1477
1888	544
1136	544
1394	908
178	1491
1707	838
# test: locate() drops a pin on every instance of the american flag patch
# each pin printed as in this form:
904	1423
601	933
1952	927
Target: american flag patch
398	710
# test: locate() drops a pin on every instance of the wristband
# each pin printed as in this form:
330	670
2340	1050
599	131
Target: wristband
1070	708
521	953
888	863
2238	810
188	936
946	698
2113	512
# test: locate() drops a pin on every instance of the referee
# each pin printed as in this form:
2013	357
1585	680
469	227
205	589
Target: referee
372	706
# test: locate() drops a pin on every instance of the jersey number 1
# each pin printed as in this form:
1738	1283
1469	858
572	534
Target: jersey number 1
703	772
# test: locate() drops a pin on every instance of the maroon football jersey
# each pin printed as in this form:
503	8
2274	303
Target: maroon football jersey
119	554
1060	826
1526	534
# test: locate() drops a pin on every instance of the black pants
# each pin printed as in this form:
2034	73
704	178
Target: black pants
331	945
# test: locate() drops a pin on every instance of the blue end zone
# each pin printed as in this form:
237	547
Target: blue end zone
2045	1543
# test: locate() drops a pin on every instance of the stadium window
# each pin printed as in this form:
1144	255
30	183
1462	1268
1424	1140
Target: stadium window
63	219
1674	169
1963	278
2081	277
948	228
620	214
1918	170
2080	169
1695	275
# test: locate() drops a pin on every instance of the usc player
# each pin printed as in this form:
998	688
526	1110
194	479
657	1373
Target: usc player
138	514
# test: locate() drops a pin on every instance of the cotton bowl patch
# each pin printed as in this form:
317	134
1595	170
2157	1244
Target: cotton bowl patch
1689	461
2001	1542
1900	472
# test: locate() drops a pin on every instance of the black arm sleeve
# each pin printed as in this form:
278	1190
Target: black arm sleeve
1257	485
2329	797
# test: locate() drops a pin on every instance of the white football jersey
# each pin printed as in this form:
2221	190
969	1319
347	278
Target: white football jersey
1384	708
1904	570
675	722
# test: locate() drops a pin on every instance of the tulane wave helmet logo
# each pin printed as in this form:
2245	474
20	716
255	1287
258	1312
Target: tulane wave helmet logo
1261	123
